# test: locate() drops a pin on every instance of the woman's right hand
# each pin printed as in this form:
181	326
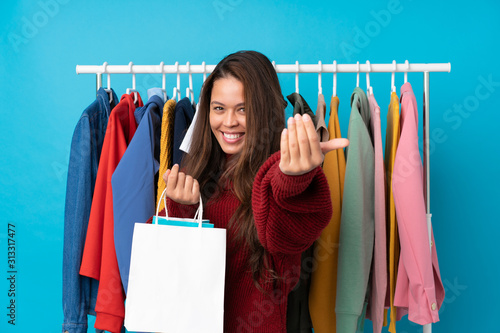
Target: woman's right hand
181	188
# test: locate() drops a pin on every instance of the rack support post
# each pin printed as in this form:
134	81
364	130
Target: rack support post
427	327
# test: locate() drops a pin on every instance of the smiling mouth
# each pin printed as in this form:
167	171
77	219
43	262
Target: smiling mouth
232	136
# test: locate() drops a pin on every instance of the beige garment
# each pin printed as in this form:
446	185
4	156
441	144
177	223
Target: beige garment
321	128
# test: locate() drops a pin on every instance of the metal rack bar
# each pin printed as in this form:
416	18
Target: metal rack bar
292	68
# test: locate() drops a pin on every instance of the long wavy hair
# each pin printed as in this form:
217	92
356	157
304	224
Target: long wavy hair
265	119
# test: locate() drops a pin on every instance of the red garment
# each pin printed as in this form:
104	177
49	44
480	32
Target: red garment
290	212
99	257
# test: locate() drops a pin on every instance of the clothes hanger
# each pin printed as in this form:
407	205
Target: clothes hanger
163	81
393	87
108	89
129	90
334	78
357	75
189	90
369	89
407	65
204	66
297	77
320	89
177	91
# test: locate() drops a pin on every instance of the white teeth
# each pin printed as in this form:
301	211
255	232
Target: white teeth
232	136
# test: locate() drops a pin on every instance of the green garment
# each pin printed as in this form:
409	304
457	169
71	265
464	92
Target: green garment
357	222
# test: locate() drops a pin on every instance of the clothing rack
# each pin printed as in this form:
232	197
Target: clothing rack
297	68
285	68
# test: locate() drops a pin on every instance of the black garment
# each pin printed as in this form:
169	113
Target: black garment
300	106
298	319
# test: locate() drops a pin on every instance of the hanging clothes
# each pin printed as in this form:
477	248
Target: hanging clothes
391	144
184	113
99	256
298	319
376	305
419	290
157	92
139	112
300	106
166	144
357	221
186	142
134	183
80	292
321	128
323	291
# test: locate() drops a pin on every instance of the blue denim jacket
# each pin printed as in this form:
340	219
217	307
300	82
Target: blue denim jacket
80	292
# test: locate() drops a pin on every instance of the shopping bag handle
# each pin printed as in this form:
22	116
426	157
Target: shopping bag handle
197	216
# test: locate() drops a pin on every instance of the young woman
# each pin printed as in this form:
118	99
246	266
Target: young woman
262	182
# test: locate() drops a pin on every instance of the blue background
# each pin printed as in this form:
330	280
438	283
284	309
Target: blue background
42	99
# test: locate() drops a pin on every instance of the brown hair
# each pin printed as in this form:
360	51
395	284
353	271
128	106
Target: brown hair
265	119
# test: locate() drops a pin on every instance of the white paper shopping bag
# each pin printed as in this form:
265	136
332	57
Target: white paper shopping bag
176	280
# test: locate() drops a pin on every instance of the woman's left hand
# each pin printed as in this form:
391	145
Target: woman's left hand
301	150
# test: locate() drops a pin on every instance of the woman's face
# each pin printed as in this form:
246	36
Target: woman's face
227	114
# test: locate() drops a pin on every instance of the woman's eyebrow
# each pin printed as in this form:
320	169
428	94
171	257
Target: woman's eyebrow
219	103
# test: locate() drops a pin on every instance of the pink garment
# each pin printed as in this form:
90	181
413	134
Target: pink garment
419	290
375	310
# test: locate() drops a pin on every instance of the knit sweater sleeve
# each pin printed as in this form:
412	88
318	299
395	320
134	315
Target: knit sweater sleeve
289	211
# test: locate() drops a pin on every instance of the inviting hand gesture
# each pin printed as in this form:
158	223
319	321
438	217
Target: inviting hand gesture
181	188
301	150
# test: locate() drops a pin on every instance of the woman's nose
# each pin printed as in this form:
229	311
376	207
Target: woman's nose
230	119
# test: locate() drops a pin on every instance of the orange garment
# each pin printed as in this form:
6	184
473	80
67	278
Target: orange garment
166	144
323	290
391	144
99	257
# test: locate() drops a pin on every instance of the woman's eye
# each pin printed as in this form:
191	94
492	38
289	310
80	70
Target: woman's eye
242	110
218	108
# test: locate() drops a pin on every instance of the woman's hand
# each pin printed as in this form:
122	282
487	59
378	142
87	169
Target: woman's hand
180	187
301	150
